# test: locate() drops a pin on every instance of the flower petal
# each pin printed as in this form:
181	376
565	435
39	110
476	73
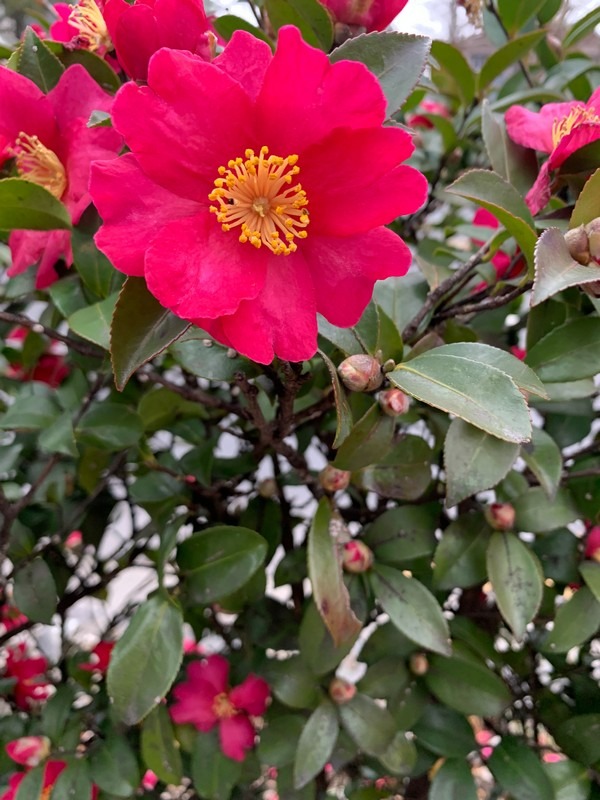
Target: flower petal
534	129
236	735
182	24
213	670
194	704
582	134
25	108
245	59
541	191
135	34
251	695
46	247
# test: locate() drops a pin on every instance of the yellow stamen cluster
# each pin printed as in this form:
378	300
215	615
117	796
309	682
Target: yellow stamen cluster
222	706
257	195
93	33
577	116
36	163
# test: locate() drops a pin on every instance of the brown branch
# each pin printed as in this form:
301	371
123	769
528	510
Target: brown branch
32	324
460	309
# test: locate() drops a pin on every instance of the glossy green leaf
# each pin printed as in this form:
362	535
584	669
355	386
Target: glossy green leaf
467	686
73	782
58	437
27	205
582	27
517	580
316	645
570	780
344	339
590	572
316	743
587	205
400	756
136	682
515	15
401	535
455	70
569	352
279	740
309	16
30	787
342	406
96	66
93	322
474	461
445	732
579	736
404	473
459	559
555	269
141	329
201	355
110	426
412	608
516	164
453	781
34	591
543	457
219	561
30	414
577	620
228	24
325	573
159	749
534	512
396	59
505	56
114	767
213	774
518	770
293	683
368	442
37	62
369	725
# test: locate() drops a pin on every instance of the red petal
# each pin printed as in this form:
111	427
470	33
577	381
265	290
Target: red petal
251	695
236	735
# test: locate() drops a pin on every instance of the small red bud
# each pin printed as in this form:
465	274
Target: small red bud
419	664
29	750
341	691
357	557
501	516
394	403
74	542
333	479
191	479
361	373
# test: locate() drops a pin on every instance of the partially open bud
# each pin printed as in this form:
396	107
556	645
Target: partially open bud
341	691
592	543
578	244
29	750
501	516
419	664
333	479
357	557
394	403
361	373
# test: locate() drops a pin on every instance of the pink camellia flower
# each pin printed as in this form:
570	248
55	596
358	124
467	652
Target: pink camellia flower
592	543
29	673
29	750
82	27
373	15
417	120
205	700
11	617
253	198
99	658
559	129
53	147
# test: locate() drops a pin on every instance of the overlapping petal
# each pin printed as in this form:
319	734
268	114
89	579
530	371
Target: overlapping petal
236	735
251	695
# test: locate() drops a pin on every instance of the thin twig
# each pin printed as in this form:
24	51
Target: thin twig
32	324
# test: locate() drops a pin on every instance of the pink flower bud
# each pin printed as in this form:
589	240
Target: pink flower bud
361	373
501	516
74	541
419	664
357	557
149	780
29	750
341	691
333	479
393	402
592	543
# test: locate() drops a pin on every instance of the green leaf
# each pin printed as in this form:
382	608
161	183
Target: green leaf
412	608
401	535
316	743
515	15
141	329
569	352
114	767
28	206
97	67
396	59
587	205
455	70
213	774
110	426
279	740
569	779
590	572
325	573
292	682
404	473
30	787
342	406
100	119
94	268
316	645
219	561
445	732
36	61
67	295
309	16
516	164
474	461
73	782
582	28
201	355
58	437
369	725
137	682
93	322
576	621
459	559
491	191
35	592
476	392
555	269
517	580
30	414
228	24
544	459
400	756
467	686
453	781
502	58
368	442
579	737
535	513
159	748
519	771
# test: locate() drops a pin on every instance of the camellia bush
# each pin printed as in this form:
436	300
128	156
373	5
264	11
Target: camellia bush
300	471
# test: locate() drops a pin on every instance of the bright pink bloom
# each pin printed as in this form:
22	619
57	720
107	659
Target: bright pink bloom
53	146
29	673
149	780
374	15
11	617
205	700
559	129
212	173
29	751
592	543
99	658
417	120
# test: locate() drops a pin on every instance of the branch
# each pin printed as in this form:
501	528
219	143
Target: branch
489	303
38	327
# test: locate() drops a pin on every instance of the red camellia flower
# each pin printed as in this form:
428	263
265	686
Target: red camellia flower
99	658
592	543
50	367
82	26
52	146
205	700
30	684
374	15
559	129
256	192
29	750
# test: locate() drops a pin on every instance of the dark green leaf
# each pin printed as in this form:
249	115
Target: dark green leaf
30	414
569	352
159	749
202	356
587	206
590	572
316	743
27	205
97	67
453	781
58	437
455	71
114	767
582	27
569	779
535	513
555	269
400	756
370	726
228	24
544	459
368	441
344	413
110	426
404	473
279	740
30	787
36	61
309	16
74	782
503	57
403	534
35	592
93	322
579	737
459	559
467	686
576	621
445	732
316	645
293	683
519	771
516	164
515	15
213	774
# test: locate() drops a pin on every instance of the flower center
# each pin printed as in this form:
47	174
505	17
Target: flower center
38	164
257	195
93	33
222	706
577	116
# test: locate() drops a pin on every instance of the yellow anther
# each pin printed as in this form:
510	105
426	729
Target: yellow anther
36	163
576	116
93	34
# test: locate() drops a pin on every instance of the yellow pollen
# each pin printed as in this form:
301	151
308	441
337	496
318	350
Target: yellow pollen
93	33
46	793
256	195
222	706
575	117
38	164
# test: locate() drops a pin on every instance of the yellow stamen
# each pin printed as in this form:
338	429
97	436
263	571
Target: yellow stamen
93	33
38	164
222	706
577	116
46	793
255	193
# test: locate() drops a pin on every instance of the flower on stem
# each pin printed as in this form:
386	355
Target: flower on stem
256	192
205	700
52	146
559	129
372	15
29	673
361	373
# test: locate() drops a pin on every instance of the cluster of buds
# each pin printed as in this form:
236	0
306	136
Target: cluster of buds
500	516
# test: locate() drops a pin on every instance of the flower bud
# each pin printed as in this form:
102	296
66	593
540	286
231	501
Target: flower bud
74	542
333	479
268	488
361	373
29	750
394	403
341	691
578	244
593	233
419	664
592	543
149	780
357	557
501	516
